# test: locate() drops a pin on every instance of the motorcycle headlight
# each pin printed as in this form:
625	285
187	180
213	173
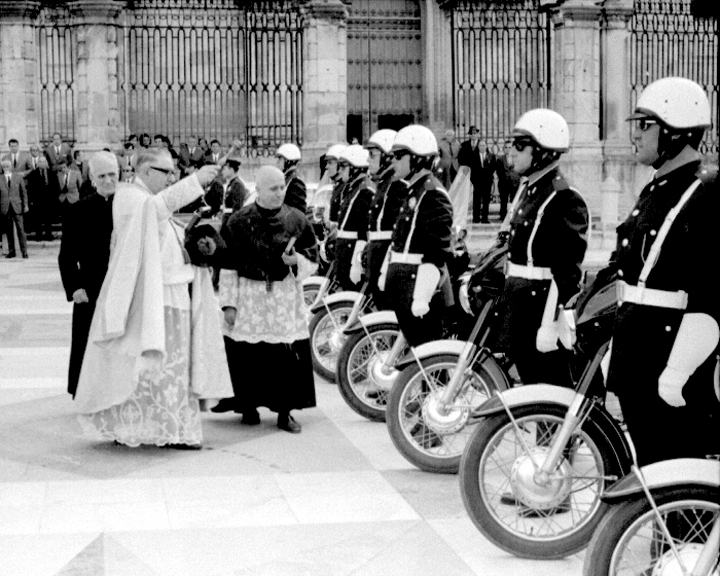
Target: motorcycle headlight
463	295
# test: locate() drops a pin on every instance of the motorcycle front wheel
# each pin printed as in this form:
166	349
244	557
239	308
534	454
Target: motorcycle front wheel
327	338
515	511
431	439
630	541
363	378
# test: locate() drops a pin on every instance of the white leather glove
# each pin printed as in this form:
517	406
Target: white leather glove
356	268
383	271
670	385
566	329
428	277
696	339
546	339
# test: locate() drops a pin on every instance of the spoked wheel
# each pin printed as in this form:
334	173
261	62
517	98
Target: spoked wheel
327	338
430	438
520	513
363	379
630	541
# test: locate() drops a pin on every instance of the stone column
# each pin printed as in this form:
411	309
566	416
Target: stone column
619	169
324	80
98	113
576	93
19	108
437	65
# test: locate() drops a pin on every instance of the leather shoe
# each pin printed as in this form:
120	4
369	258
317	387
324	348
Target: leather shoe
251	418
183	446
287	423
24	255
224	405
10	255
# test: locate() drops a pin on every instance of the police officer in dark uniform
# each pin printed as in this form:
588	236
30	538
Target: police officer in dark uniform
353	215
296	192
331	167
547	242
417	282
665	338
374	241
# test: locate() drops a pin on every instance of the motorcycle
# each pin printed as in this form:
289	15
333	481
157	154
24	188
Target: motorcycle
442	382
366	367
664	520
540	456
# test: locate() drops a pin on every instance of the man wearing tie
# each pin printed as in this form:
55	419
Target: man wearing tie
474	154
19	161
13	205
215	154
43	191
70	182
57	153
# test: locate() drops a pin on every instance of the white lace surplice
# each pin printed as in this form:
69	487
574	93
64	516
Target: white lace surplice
279	315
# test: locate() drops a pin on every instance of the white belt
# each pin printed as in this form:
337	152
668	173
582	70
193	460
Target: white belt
405	258
651	297
528	272
347	235
227	210
383	235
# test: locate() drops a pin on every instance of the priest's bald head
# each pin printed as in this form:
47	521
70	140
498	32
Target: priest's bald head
270	186
104	172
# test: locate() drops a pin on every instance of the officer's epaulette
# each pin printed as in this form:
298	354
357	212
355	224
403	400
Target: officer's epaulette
707	174
559	183
432	183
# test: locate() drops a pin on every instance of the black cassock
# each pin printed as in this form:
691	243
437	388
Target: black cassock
276	375
83	260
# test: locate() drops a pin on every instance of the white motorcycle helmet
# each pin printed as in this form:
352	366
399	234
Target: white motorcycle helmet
382	140
678	102
355	155
289	151
417	140
334	151
546	127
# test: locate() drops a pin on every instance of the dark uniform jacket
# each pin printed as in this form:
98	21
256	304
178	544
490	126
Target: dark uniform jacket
559	244
352	219
644	336
336	199
296	192
227	202
382	215
256	238
424	227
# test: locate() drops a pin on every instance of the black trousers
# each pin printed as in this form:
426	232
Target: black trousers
481	200
81	320
13	218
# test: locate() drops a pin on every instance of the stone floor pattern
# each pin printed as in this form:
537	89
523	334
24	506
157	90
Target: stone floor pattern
335	500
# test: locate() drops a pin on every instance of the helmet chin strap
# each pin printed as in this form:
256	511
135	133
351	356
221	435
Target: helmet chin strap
671	143
542	159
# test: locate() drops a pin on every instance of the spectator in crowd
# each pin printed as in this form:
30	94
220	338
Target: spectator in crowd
271	247
191	155
133	139
158	359
13	206
58	153
69	182
144	141
128	173
43	192
81	165
508	179
215	153
203	143
447	166
85	254
20	161
127	157
35	156
475	155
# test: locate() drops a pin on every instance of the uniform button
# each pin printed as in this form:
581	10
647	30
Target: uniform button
652	187
412	275
667	328
620	273
525	223
512	232
534	293
653	232
625	242
635	212
520	211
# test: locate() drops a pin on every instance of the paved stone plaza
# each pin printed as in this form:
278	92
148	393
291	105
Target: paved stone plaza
335	500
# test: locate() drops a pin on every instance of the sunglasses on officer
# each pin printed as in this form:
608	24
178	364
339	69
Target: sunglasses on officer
399	154
644	124
521	144
343	164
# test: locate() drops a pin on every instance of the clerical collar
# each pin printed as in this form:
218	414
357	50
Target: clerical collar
267	212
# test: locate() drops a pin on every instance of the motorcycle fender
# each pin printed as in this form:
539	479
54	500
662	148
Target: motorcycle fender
314	281
689	471
347	296
433	348
372	319
524	395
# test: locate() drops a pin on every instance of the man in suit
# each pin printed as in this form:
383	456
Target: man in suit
13	205
474	154
43	191
85	253
58	153
81	165
215	153
70	183
19	161
191	155
448	164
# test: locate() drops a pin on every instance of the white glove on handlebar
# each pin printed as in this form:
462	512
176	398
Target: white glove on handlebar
356	268
428	277
546	339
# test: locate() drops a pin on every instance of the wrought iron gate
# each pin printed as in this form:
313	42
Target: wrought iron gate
667	40
501	64
384	66
214	68
56	73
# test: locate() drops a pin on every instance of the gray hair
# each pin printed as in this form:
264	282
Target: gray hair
150	156
103	162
